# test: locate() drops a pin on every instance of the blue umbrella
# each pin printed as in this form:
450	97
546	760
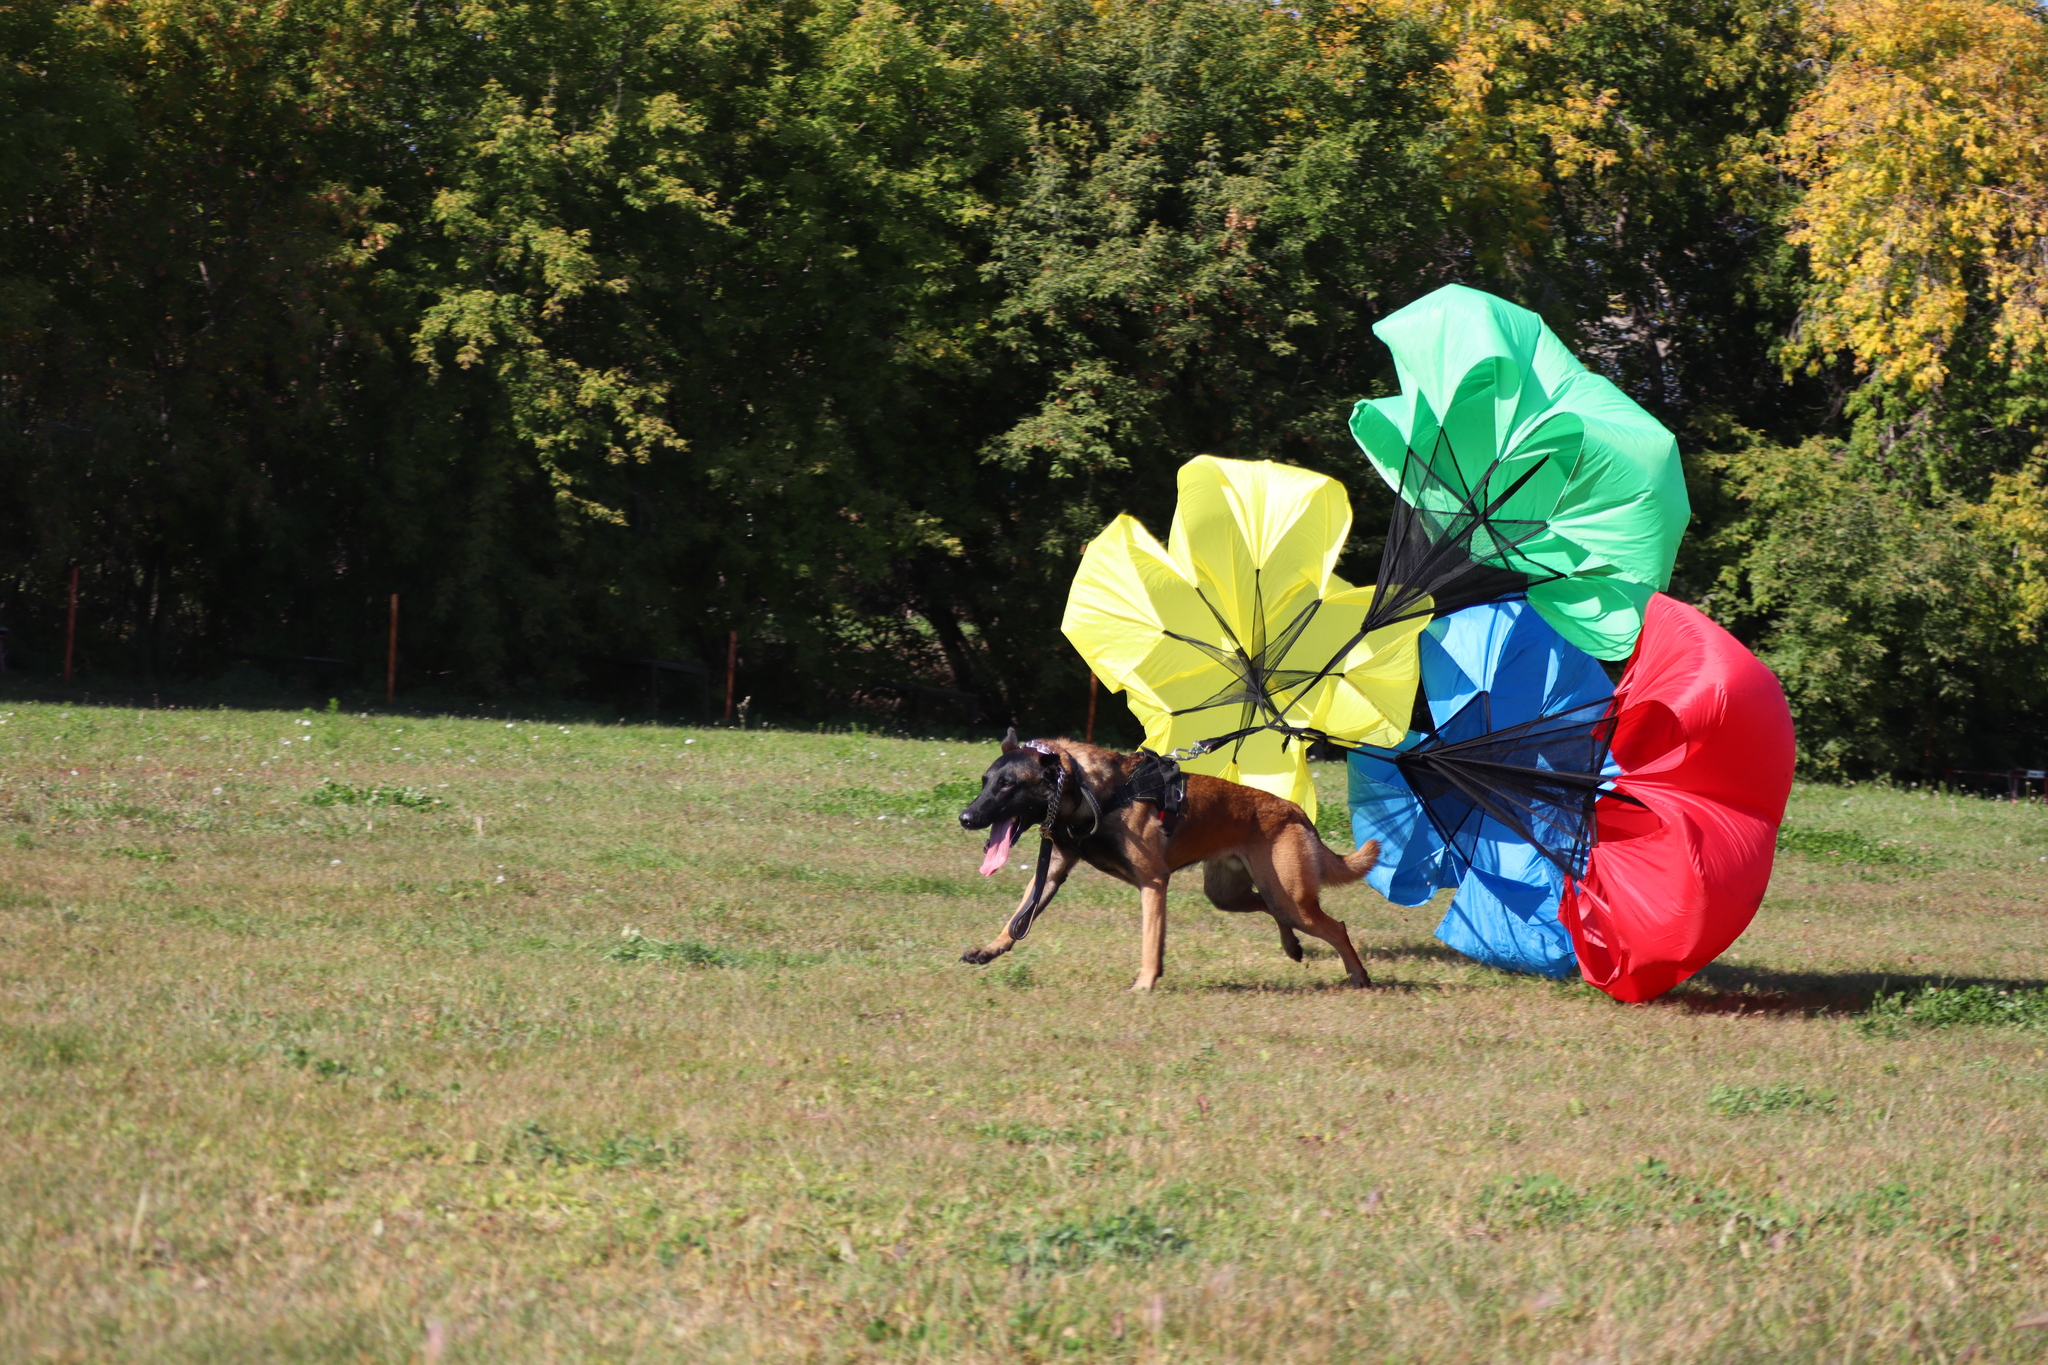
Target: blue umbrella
1500	677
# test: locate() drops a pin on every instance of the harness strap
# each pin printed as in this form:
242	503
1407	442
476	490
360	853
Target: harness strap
1094	811
1027	914
1020	923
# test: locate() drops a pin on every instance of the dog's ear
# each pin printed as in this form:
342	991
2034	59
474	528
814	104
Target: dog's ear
1010	744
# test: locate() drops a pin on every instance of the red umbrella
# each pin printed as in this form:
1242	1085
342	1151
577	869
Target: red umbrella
1703	739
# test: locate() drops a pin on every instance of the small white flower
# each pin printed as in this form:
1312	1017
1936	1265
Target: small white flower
335	863
216	791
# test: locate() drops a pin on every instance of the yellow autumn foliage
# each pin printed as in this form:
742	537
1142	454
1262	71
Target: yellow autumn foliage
1489	167
1925	158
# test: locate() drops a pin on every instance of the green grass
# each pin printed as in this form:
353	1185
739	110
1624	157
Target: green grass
1133	1235
332	793
1932	1007
1850	846
1780	1098
634	946
580	1043
944	800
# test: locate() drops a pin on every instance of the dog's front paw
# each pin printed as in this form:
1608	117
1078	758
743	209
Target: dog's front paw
979	957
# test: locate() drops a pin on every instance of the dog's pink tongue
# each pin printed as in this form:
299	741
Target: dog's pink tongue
998	852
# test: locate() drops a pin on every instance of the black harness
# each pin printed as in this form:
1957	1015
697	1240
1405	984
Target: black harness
1157	780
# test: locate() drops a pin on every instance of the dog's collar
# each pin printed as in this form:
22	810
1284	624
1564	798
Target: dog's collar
1052	824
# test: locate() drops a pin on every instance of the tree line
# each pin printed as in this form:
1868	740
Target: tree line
618	328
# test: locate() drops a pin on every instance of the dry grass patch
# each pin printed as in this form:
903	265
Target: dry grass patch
461	1040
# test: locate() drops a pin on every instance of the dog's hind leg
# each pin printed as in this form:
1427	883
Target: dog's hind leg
1287	877
1333	932
1056	872
1227	882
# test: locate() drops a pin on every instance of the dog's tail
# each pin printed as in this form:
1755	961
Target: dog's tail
1341	869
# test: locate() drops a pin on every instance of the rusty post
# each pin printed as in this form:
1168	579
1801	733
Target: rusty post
391	657
732	664
1092	685
71	624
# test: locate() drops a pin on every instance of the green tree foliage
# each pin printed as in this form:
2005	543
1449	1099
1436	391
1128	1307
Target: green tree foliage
616	328
1884	617
612	329
1211	203
1603	164
1892	575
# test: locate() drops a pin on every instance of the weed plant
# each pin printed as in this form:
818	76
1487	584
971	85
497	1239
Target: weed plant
1737	1101
332	793
1936	1006
1850	846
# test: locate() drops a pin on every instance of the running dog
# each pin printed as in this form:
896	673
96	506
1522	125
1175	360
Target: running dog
1139	819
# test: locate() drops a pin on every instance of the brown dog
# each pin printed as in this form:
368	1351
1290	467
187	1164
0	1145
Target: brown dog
1127	815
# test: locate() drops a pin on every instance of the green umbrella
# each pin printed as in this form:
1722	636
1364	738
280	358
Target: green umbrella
1581	489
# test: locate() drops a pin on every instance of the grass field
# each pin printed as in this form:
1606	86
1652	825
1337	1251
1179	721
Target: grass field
339	1038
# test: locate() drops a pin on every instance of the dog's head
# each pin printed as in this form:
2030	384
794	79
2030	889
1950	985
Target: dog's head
1014	792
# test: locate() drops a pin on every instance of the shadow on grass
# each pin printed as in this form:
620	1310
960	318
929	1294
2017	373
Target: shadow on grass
1720	988
1723	989
1321	986
1378	958
1429	951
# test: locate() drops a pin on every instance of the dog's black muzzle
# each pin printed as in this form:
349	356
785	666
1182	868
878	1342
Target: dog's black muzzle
978	816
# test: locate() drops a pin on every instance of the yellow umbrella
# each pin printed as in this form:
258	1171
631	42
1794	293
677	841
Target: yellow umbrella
1238	629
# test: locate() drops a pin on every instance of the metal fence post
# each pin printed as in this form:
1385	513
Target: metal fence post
71	623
